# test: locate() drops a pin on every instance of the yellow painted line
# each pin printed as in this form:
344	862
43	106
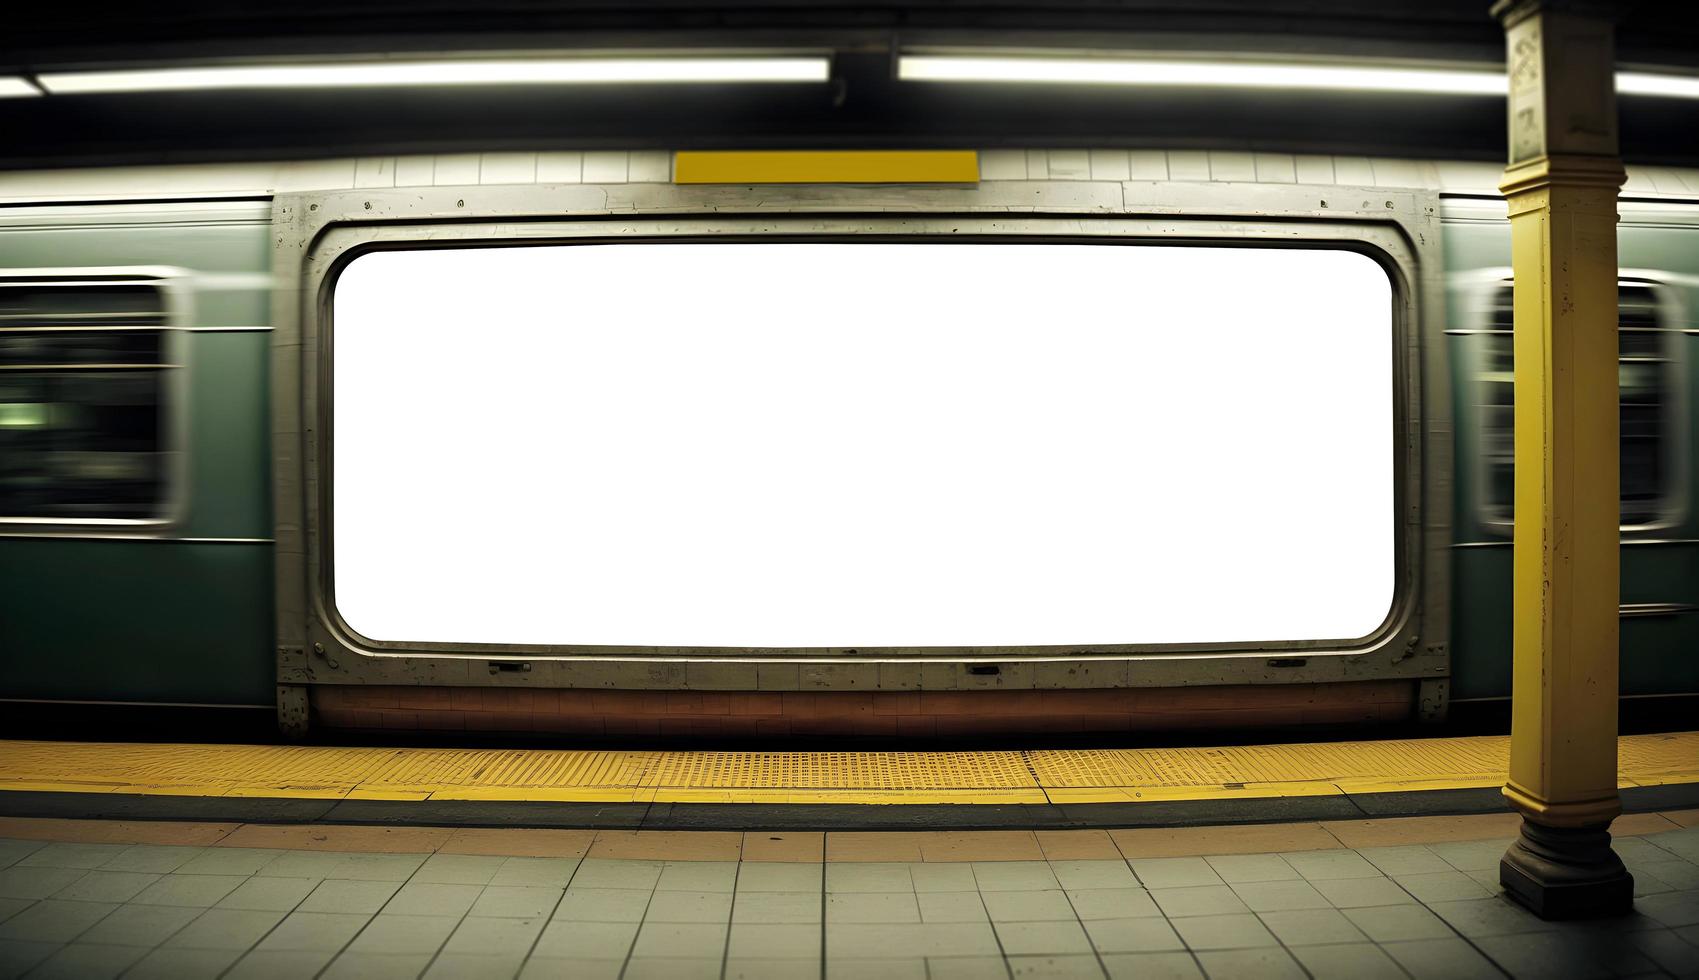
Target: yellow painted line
826	167
890	778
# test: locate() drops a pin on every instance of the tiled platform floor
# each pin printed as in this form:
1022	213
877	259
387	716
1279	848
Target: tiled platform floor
1366	899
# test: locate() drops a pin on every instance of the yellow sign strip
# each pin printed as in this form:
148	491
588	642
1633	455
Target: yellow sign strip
1037	776
826	167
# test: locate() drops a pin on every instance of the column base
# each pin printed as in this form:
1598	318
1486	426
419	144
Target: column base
1566	873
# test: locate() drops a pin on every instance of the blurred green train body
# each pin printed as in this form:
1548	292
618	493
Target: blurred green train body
187	616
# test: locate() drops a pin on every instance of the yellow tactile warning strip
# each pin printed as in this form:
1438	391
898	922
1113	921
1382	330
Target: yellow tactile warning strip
1042	776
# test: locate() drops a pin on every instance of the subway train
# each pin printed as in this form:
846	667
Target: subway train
560	444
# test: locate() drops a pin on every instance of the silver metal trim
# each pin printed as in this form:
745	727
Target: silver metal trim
264	329
140	704
1637	610
89	536
317	232
1626	542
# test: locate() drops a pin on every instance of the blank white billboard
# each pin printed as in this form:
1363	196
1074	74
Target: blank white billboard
862	444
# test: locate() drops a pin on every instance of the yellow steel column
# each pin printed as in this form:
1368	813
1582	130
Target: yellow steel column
1562	186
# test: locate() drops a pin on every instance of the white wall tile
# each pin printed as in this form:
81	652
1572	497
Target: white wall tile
1276	168
456	168
1396	173
650	167
1109	165
507	168
1188	165
374	172
1069	164
1227	165
1147	165
560	168
1356	171
1002	165
1313	169
415	171
605	167
1037	165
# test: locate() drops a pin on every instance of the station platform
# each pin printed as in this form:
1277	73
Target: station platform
814	790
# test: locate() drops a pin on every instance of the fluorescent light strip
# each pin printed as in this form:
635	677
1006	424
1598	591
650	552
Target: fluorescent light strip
1126	71
575	71
1106	71
12	88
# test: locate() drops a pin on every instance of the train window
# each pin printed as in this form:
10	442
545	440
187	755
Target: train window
1647	377
847	444
83	373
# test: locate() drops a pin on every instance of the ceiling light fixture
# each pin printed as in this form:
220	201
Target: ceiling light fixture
560	71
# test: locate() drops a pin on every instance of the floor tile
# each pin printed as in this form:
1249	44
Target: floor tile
1561	956
140	925
1078	845
1197	900
1146	935
1014	876
801	847
373	867
280	964
333	837
471	966
314	931
792	907
1404	859
875	846
1350	961
1273	896
1069	967
34	883
87	961
871	907
306	864
1152	966
1352	893
954	906
587	940
857	941
236	929
84	856
279	894
1490	917
339	895
1251	964
1442	959
1243	839
1041	938
772	940
773	969
1424	830
1076	875
1442	886
16	957
595	873
1236	868
525	842
517	901
1674	910
106	886
981	845
1330	865
1178	872
201	891
965	967
886	968
1223	932
388	934
682	906
603	905
433	898
12	906
380	966
1112	903
182	964
561	968
683	939
943	877
781	877
53	921
1025	906
458	869
698	876
667	845
868	877
13	851
536	872
1471	855
1392	923
229	861
493	936
1311	927
152	858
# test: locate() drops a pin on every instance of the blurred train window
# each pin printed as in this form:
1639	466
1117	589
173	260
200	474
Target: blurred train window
1648	378
842	444
83	369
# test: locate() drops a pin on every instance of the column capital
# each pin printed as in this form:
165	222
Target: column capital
1564	170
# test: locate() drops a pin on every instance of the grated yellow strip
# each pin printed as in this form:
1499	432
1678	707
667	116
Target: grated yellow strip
1057	776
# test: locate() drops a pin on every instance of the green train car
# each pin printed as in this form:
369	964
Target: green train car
172	435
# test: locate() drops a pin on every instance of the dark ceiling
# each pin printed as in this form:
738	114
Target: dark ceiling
864	107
